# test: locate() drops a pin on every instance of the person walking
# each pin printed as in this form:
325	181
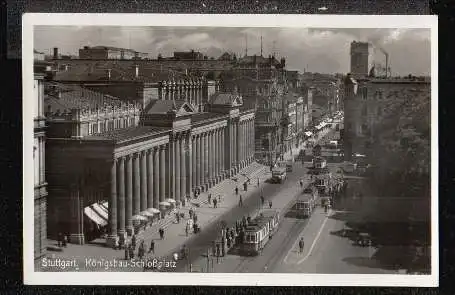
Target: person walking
152	246
236	190
65	240
177	215
187	229
240	201
258	182
141	251
161	231
127	252
59	239
191	213
209	198
262	200
215	202
270	204
133	241
301	245
195	218
301	183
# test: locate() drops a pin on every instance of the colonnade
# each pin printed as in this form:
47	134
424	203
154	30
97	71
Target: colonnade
190	91
136	185
142	180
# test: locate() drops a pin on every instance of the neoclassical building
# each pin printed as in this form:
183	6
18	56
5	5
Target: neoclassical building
134	158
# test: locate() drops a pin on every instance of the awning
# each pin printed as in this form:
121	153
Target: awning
101	210
147	213
153	210
165	204
170	200
139	218
94	216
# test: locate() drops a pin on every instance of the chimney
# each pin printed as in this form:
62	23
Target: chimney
136	67
55	52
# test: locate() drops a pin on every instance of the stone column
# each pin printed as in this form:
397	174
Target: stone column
177	165
150	178
183	167
76	215
171	170
136	184
121	197
223	149
143	181
206	160
156	180
189	174
197	159
211	157
194	162
217	155
201	159
129	195
162	173
113	206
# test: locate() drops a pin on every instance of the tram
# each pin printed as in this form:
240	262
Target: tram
305	202
259	231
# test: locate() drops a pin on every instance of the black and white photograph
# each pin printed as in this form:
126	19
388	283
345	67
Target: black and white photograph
231	150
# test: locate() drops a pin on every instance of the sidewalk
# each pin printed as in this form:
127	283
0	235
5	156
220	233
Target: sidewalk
175	235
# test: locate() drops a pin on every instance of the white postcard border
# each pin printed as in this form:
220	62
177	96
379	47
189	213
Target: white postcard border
30	20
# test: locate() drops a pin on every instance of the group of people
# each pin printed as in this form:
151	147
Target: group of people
62	240
132	248
215	201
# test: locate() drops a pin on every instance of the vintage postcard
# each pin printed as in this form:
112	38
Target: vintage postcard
230	149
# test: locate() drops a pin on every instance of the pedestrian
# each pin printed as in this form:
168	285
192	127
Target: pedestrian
301	183
178	217
210	198
195	218
191	213
240	201
301	245
215	201
161	231
187	229
258	182
270	204
65	240
131	252
152	246
219	198
127	252
141	251
236	190
262	200
133	241
59	239
117	243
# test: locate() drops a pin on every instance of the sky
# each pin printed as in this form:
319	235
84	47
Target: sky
323	50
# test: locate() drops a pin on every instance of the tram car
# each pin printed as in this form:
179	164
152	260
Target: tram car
305	202
259	231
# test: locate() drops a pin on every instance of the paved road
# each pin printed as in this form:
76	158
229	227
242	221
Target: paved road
199	244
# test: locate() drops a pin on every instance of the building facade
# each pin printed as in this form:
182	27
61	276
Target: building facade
370	102
163	151
362	59
39	146
108	52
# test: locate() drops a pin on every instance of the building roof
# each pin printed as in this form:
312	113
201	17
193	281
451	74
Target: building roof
112	48
66	97
201	117
119	71
225	98
257	59
164	106
136	132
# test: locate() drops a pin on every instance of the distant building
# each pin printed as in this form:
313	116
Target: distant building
293	78
362	59
108	52
38	55
188	55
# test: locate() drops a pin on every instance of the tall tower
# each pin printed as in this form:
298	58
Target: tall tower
362	59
